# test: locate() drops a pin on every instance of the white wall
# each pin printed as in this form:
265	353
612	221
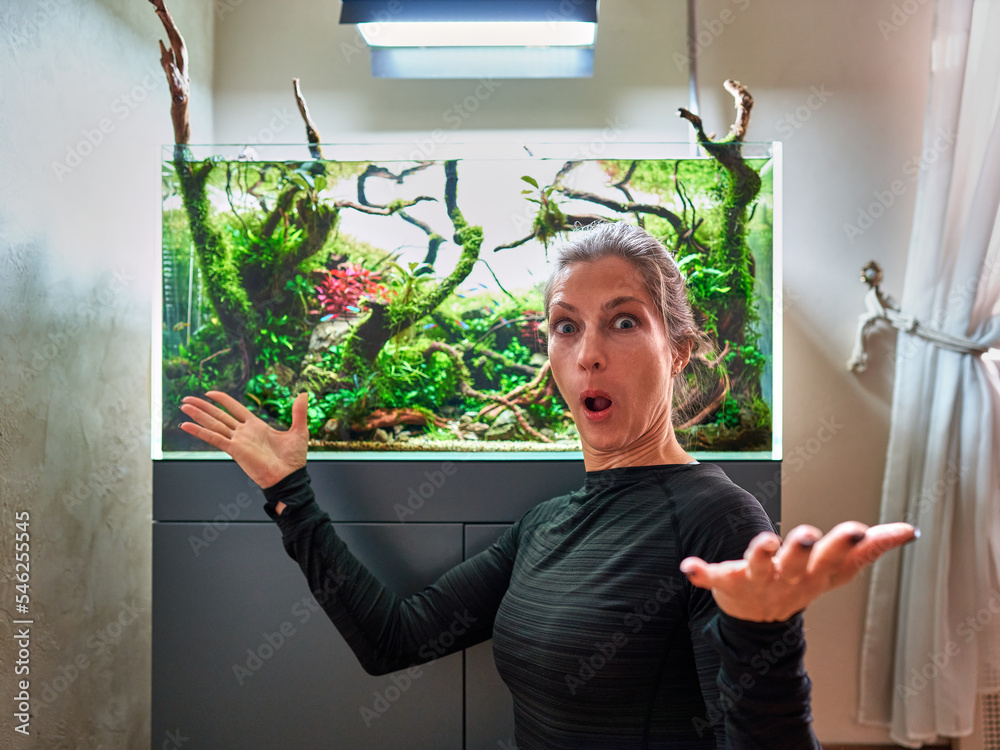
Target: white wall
636	82
844	92
83	110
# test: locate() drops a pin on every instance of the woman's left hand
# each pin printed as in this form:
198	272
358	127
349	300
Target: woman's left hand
773	581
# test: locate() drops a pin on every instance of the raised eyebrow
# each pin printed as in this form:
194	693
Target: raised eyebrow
619	301
609	305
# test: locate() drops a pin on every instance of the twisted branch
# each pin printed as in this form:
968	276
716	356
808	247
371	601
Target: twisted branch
312	134
174	62
467	390
382	210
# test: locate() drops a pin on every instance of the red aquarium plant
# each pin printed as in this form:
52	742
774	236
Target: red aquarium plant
344	290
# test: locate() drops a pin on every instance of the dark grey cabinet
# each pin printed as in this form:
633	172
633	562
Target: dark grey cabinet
244	658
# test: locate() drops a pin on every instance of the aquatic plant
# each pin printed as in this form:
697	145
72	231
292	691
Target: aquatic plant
390	318
346	289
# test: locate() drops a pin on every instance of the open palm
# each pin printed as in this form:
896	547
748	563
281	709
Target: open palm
773	581
267	455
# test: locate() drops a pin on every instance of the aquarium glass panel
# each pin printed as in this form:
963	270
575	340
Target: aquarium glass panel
401	286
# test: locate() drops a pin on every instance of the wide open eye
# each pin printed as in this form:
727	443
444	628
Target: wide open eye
624	322
564	327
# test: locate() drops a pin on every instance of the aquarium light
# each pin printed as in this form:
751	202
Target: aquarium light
479	34
482	62
485	38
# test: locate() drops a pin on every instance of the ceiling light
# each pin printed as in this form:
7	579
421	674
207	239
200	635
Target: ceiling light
476	38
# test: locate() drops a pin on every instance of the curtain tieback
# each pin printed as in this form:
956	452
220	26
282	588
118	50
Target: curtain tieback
881	307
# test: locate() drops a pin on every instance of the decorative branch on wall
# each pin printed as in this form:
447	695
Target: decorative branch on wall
881	307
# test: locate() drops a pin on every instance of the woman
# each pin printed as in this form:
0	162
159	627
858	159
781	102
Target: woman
619	615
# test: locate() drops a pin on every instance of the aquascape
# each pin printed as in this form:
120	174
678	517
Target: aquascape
406	297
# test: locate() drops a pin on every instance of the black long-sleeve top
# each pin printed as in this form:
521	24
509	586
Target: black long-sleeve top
601	639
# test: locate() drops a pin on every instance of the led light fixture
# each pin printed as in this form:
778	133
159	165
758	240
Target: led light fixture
477	38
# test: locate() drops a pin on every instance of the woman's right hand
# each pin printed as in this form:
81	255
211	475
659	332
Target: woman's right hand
267	455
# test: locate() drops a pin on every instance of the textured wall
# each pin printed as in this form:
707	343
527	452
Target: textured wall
83	110
78	249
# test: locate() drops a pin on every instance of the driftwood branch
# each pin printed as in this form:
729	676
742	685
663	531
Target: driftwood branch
625	208
451	197
535	392
727	150
622	185
467	390
570	222
507	362
376	171
367	340
624	181
515	243
721	391
744	103
174	62
695	123
312	134
434	240
382	210
565	170
280	211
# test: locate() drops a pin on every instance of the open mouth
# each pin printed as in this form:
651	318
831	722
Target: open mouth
597	403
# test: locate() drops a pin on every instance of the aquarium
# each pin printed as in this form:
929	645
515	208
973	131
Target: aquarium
402	289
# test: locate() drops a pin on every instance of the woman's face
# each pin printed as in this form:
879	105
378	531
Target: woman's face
611	357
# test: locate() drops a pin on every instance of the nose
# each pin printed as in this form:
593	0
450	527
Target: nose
591	356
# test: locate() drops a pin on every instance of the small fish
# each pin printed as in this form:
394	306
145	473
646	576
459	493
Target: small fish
327	317
430	325
352	308
463	324
181	326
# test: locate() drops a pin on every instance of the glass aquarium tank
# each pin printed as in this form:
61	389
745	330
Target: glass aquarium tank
404	293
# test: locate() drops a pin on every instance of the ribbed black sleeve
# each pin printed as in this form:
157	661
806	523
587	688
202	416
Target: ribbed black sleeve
386	632
601	639
764	689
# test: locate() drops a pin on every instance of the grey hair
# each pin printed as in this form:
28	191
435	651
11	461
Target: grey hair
656	266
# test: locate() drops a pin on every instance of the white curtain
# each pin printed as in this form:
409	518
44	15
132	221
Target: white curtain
932	631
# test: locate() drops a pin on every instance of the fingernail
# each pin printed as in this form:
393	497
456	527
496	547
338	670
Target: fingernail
856	537
916	535
685	567
807	543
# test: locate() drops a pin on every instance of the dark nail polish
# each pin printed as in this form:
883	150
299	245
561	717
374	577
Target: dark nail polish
856	537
